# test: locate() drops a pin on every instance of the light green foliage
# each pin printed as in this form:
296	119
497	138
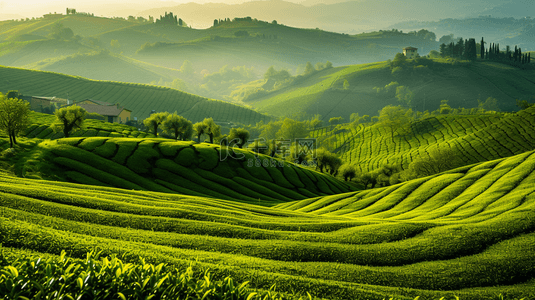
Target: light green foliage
491	104
336	120
115	279
395	118
155	120
13	116
309	69
404	95
327	160
179	126
187	68
348	172
444	107
241	135
439	160
291	129
70	118
211	129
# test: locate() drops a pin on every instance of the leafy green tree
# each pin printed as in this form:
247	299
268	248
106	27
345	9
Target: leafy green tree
327	160
404	95
348	172
70	118
309	69
394	117
316	122
13	117
292	129
336	120
155	120
241	134
200	129
211	129
399	61
523	104
181	127
187	68
13	94
445	108
439	160
354	117
489	104
270	130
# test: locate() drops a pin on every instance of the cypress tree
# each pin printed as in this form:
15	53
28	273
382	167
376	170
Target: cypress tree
529	57
482	50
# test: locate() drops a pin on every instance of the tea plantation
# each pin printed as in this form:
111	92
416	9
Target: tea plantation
466	233
140	98
476	138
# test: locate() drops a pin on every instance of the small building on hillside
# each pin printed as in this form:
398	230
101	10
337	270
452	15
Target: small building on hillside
410	52
45	104
113	113
96	102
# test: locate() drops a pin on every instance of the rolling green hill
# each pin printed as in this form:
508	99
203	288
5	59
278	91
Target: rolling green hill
462	83
474	138
169	166
210	48
467	233
139	98
106	66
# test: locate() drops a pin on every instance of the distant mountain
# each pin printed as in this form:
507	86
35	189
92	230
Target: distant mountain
506	31
350	16
512	8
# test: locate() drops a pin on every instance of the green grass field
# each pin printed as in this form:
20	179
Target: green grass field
139	98
466	233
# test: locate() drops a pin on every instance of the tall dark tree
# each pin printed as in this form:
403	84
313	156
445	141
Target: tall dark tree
443	50
482	50
459	48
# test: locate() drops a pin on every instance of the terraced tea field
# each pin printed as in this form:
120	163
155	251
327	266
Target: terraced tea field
476	138
41	128
186	168
139	98
468	232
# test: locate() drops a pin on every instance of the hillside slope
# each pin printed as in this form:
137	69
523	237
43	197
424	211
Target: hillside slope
462	83
473	138
468	233
139	98
259	47
186	168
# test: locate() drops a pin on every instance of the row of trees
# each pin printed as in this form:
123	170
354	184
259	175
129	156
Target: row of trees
494	53
463	49
170	19
469	49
